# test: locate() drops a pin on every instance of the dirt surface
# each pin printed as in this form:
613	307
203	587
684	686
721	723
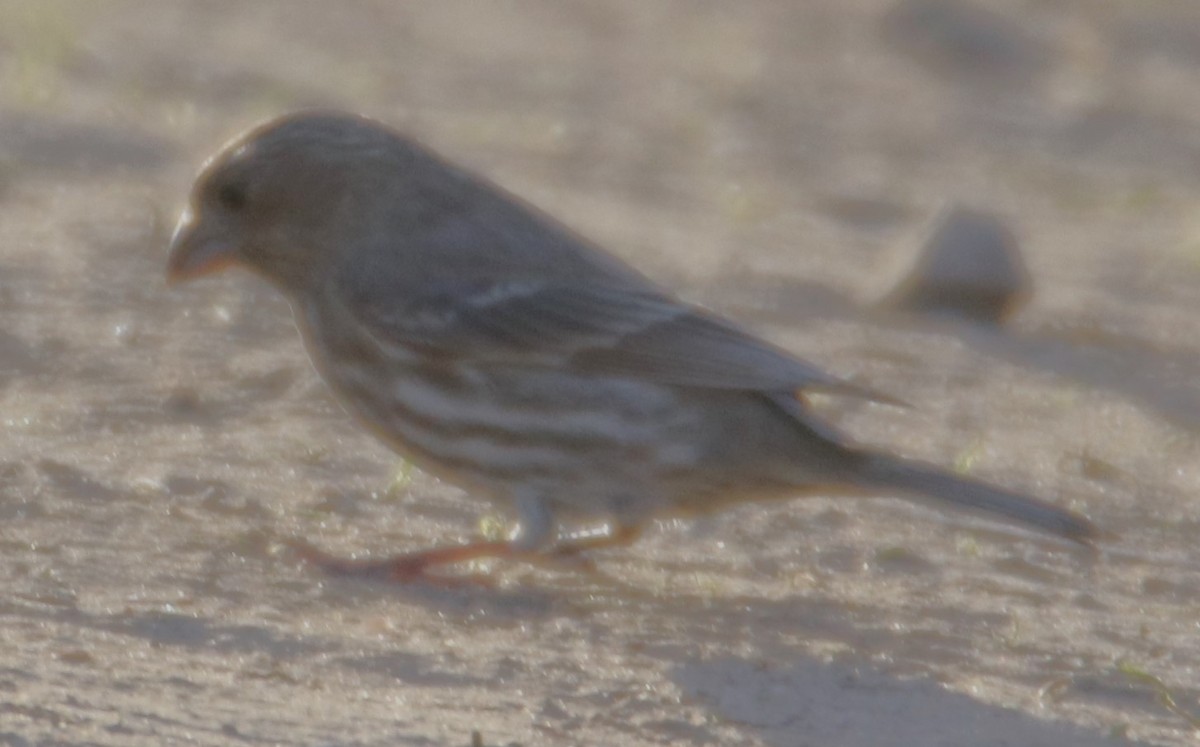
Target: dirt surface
159	445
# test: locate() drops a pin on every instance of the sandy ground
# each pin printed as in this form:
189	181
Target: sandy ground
762	158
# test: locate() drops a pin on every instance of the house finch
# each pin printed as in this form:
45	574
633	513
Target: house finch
497	350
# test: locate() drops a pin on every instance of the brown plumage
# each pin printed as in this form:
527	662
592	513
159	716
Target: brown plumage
496	349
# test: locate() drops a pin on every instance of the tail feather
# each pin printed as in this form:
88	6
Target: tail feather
925	480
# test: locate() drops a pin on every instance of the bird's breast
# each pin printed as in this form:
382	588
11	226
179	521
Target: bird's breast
492	426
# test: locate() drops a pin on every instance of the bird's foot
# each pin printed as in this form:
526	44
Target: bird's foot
408	568
420	566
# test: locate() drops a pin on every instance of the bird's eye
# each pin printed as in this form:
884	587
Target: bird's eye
232	196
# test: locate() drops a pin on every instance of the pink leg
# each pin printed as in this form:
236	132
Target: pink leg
409	567
416	566
616	536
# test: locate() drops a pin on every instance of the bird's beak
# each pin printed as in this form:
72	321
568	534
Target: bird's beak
196	250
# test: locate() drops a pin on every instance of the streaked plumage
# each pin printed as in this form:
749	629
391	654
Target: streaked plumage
496	349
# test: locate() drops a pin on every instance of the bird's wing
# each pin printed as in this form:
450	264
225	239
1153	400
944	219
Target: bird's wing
590	330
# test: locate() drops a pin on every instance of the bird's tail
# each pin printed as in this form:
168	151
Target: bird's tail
916	479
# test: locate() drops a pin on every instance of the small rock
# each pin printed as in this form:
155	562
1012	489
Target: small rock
969	266
968	42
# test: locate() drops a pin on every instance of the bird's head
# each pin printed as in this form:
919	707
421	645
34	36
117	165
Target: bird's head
274	198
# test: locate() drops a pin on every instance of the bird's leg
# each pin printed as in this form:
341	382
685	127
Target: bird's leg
618	535
409	567
416	567
532	543
536	528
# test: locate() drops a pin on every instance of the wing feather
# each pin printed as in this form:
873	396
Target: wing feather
596	329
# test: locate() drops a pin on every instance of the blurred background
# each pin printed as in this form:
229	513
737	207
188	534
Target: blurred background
783	162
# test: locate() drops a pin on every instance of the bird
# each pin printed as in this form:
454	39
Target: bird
496	349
